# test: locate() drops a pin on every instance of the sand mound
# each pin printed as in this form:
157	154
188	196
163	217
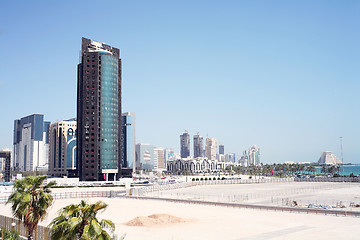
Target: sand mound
155	220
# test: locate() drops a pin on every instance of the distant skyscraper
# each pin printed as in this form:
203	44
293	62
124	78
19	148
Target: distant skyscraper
198	146
221	149
31	143
160	163
62	150
254	156
185	145
99	112
244	159
145	156
11	156
230	157
128	143
210	148
5	159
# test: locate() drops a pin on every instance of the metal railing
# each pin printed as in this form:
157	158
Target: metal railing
83	194
251	206
87	194
154	188
271	195
328	179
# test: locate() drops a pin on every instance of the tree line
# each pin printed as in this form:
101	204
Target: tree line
283	169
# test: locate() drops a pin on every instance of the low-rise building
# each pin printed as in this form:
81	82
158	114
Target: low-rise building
193	165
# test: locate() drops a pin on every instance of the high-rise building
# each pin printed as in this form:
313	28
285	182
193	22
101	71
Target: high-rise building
221	149
62	149
31	143
254	156
230	157
5	159
244	159
198	146
11	157
128	142
145	156
210	148
99	112
185	145
160	163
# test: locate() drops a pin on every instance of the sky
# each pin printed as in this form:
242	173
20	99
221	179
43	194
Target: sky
283	75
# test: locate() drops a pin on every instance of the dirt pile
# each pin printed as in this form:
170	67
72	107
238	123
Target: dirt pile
155	220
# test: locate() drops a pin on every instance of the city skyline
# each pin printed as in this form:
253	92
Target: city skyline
276	74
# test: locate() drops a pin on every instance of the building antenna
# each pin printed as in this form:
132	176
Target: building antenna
342	155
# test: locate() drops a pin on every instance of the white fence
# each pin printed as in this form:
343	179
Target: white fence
83	194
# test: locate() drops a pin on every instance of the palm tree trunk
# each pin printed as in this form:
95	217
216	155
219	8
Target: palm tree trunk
31	232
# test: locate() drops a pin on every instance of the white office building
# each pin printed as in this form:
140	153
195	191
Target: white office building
31	143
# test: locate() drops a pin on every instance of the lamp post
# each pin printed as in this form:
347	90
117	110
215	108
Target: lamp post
13	224
342	156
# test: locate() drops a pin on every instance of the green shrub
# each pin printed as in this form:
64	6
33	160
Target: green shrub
11	235
223	178
205	179
214	178
201	179
197	179
193	179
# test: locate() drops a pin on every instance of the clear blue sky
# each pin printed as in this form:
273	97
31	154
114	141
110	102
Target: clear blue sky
284	75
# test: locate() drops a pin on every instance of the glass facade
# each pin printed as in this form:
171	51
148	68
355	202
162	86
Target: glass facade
70	150
128	122
109	111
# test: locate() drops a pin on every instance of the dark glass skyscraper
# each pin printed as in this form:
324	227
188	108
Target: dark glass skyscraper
99	112
185	145
198	146
128	141
221	149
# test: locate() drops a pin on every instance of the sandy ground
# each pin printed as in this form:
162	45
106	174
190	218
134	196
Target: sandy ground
273	194
214	222
211	222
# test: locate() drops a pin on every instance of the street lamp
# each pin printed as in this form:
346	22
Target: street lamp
342	156
13	224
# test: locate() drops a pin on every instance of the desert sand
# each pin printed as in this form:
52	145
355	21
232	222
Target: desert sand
194	221
272	194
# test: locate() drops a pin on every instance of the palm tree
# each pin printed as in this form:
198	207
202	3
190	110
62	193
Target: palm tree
311	169
30	200
79	221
